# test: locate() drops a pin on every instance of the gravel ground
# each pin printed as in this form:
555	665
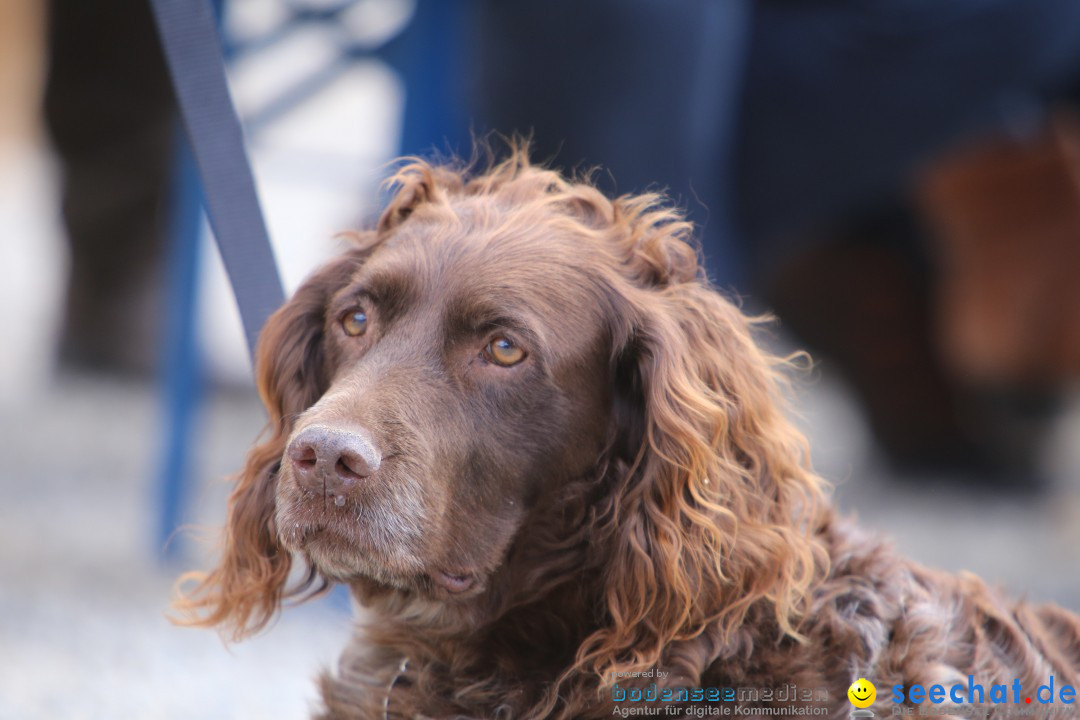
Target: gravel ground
83	593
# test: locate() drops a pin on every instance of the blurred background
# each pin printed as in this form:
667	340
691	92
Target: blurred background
898	182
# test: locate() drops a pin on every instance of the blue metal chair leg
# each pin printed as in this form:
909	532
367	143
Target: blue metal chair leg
182	381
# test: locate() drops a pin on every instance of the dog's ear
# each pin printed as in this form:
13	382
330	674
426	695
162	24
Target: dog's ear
714	504
245	591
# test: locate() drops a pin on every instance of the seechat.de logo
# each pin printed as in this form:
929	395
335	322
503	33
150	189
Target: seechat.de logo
862	695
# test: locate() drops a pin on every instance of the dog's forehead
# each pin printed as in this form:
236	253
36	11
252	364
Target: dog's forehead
457	274
529	263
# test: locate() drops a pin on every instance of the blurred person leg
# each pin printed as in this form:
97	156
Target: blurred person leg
843	104
109	110
861	297
20	61
644	89
1006	215
31	250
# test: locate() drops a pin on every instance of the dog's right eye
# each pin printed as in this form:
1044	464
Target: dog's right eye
504	352
354	322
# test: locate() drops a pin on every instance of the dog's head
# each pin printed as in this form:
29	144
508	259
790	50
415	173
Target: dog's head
497	342
457	369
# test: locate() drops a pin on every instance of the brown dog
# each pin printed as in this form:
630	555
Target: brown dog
527	434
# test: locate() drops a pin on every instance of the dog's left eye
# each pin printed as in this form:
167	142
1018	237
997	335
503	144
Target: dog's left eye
503	351
354	322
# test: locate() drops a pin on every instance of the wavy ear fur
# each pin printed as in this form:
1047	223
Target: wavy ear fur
713	513
246	589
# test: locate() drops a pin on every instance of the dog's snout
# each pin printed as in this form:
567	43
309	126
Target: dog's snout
331	460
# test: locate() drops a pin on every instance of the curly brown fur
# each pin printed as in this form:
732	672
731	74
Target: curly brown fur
628	497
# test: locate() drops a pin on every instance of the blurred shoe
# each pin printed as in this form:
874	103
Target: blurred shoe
862	303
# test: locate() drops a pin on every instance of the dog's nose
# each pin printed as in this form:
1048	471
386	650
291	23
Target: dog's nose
331	460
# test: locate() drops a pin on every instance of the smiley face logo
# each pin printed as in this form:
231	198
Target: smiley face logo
862	693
